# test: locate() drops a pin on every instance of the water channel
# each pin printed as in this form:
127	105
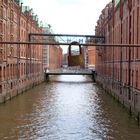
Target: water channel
66	108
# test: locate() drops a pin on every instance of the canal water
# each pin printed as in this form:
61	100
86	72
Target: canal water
66	108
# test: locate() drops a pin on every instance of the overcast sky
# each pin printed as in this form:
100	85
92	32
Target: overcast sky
68	16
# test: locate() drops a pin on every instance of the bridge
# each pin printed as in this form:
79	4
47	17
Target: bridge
71	71
63	39
35	39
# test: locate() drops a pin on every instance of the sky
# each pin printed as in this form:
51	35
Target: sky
68	16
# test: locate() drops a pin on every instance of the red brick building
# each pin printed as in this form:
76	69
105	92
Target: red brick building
55	57
52	54
20	65
89	56
118	68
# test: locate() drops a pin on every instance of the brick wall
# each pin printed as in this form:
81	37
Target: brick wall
89	55
20	65
119	67
55	57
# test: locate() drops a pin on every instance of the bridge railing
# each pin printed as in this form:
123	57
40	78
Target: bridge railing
66	39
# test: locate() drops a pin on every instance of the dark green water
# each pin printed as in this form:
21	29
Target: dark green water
66	108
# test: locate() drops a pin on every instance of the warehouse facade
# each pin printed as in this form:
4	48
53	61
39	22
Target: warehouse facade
118	68
21	66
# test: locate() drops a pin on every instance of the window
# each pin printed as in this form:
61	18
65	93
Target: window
126	76
126	53
132	78
8	71
1	28
134	2
0	45
132	53
137	52
0	89
5	2
129	95
11	28
124	8
11	15
1	12
4	73
137	78
11	85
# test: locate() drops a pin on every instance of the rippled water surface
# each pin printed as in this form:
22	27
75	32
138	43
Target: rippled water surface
66	108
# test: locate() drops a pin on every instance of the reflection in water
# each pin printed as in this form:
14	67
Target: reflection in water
66	108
